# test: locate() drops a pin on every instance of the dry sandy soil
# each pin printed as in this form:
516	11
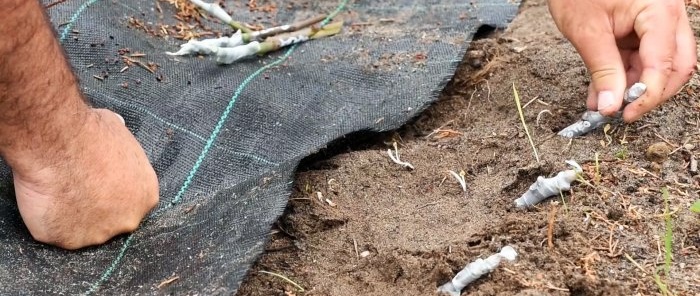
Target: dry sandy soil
393	231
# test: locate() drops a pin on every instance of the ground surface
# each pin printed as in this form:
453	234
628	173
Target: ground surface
391	231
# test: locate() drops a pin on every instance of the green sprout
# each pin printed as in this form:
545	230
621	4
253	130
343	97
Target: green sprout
622	153
695	208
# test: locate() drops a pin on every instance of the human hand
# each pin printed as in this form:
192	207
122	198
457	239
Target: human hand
627	41
88	190
80	176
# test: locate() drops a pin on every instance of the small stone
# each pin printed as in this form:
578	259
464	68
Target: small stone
476	58
476	54
364	254
519	49
658	152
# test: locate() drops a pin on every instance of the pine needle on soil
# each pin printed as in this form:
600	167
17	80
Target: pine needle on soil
563	202
522	119
286	279
550	227
668	236
597	170
635	263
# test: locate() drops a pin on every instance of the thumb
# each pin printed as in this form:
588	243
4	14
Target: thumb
603	60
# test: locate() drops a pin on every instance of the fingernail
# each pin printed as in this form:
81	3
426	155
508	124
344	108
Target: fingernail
121	118
606	99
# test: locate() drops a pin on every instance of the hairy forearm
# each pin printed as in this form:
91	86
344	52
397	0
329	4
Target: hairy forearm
40	101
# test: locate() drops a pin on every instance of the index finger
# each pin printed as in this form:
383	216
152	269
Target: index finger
684	62
656	26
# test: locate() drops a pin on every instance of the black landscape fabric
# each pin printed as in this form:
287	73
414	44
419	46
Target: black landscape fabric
225	140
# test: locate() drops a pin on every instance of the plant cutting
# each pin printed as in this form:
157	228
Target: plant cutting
591	120
245	43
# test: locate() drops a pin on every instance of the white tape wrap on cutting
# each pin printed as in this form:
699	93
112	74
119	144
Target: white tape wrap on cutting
228	55
547	187
214	9
475	270
592	120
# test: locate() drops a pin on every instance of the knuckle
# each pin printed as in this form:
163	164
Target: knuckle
670	8
54	238
687	74
153	196
71	246
132	225
687	69
604	72
44	238
666	66
582	34
66	243
100	239
652	12
128	226
152	201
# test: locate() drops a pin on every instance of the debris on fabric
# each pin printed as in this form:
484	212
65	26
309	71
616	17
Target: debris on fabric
206	46
245	43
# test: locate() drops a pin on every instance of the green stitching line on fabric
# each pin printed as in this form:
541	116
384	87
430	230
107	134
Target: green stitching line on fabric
217	129
64	35
74	18
112	267
105	276
215	133
186	131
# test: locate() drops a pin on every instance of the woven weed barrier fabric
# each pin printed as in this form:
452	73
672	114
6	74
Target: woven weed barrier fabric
225	140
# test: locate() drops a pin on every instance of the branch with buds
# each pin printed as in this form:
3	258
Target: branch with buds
245	43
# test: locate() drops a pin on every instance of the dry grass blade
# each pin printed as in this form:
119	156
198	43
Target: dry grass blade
635	263
52	4
167	282
286	279
522	119
550	227
668	235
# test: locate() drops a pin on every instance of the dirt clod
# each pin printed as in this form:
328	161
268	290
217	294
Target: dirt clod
658	152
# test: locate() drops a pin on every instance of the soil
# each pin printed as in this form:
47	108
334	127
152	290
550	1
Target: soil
358	224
